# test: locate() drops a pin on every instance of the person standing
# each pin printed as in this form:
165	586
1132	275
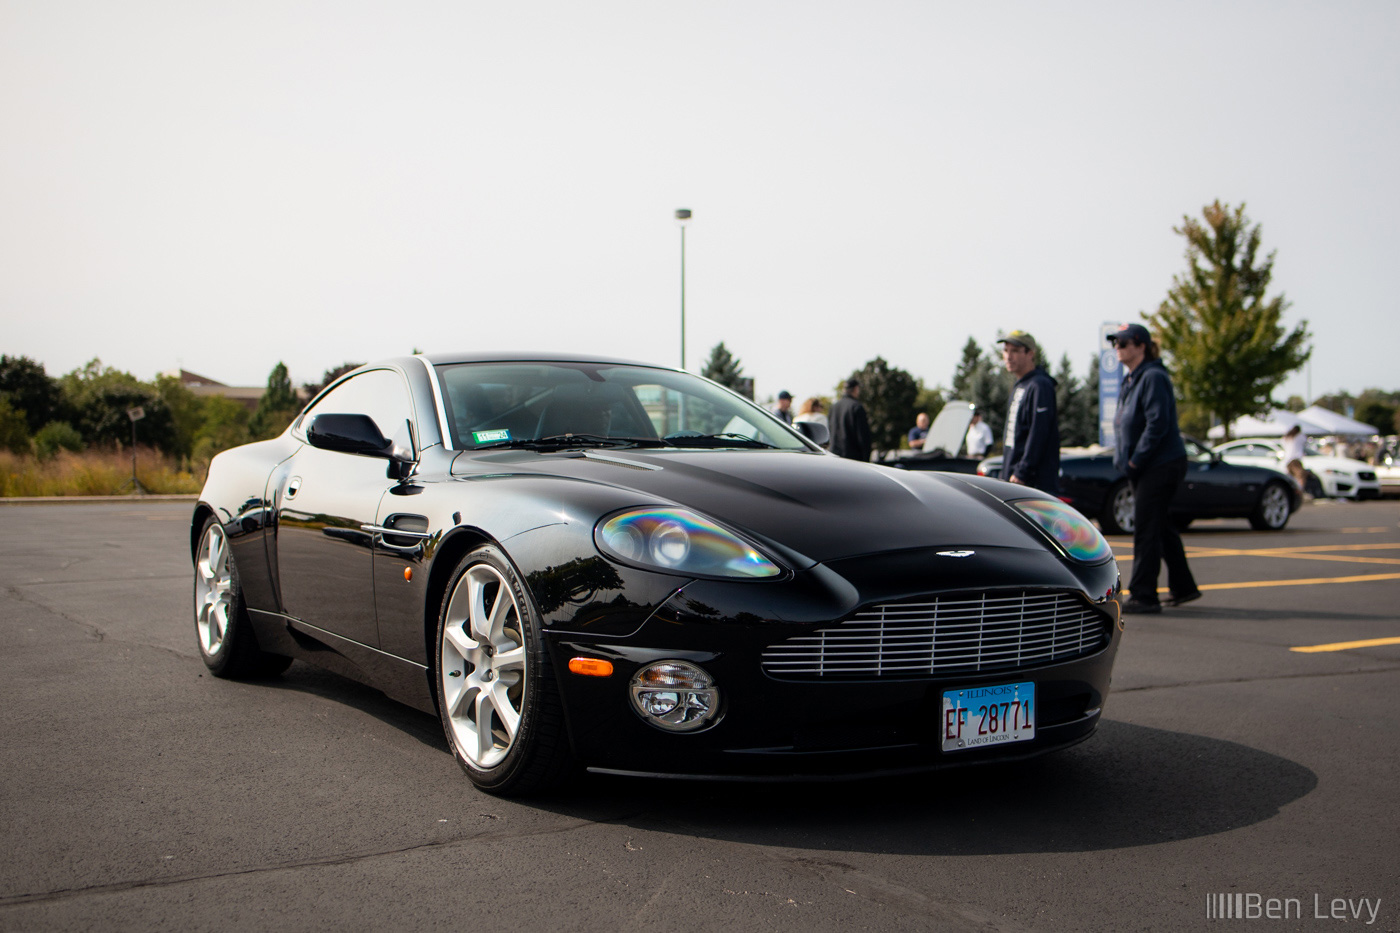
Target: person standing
919	431
1032	444
811	411
850	426
979	436
1151	454
1295	446
784	407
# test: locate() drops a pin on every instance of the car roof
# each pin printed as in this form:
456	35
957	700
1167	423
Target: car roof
529	356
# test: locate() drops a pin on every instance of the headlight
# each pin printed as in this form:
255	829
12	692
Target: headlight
1075	535
679	541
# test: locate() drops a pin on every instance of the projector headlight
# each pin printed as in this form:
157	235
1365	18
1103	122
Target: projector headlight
680	541
1075	535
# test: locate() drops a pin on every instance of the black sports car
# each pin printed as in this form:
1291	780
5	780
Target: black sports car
1212	488
631	569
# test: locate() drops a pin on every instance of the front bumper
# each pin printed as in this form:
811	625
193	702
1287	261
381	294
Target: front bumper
782	728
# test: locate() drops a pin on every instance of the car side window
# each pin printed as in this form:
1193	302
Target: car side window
379	393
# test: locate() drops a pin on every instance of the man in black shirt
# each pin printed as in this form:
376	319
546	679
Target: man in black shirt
850	428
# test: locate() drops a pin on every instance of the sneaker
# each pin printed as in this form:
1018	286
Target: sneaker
1175	600
1140	607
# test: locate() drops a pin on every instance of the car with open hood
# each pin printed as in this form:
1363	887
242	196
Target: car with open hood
593	563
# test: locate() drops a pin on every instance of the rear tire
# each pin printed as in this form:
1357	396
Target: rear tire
497	697
1274	508
225	635
1117	515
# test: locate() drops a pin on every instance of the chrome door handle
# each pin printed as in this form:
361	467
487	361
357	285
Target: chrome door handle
293	487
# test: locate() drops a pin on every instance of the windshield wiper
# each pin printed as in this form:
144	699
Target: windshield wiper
571	441
723	439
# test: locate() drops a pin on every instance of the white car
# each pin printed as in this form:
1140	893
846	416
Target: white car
1334	477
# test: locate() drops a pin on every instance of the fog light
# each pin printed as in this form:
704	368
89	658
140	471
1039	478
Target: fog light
675	696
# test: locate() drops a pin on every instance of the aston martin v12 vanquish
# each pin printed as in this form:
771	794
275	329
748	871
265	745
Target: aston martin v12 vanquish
623	567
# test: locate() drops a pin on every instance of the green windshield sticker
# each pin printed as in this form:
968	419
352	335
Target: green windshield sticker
486	437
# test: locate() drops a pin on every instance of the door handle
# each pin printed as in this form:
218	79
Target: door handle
293	487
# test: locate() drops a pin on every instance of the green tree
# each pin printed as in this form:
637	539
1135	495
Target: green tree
32	391
14	431
56	436
1077	404
973	363
186	412
723	367
310	390
223	424
1223	334
888	394
277	407
101	396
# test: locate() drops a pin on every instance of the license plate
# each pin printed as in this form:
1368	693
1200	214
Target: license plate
976	717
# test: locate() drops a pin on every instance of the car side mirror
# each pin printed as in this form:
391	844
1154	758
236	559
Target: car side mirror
349	434
814	431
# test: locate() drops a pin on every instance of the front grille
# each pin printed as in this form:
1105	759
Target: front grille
952	633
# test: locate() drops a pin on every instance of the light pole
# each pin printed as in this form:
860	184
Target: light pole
683	216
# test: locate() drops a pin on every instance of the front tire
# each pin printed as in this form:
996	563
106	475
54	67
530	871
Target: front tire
1273	510
497	698
226	640
1117	515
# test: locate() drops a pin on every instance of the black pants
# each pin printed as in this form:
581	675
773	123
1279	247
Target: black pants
1154	538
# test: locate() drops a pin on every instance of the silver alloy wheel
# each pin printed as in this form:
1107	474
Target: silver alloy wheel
482	666
1123	508
1273	507
213	590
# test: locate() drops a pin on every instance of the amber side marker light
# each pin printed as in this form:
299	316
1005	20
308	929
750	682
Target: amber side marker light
591	667
408	574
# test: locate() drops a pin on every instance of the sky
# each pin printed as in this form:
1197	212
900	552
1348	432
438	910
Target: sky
222	186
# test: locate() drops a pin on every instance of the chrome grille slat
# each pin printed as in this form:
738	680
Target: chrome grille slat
959	633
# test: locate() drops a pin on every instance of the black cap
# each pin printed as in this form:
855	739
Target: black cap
784	394
1135	332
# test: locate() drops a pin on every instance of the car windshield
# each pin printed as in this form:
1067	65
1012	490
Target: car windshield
551	405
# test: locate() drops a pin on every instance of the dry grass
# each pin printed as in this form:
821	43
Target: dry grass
93	473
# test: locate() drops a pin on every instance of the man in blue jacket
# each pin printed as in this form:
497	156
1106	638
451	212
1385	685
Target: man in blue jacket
1031	455
1151	454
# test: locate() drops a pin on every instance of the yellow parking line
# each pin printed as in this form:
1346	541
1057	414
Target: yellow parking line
1345	645
1254	584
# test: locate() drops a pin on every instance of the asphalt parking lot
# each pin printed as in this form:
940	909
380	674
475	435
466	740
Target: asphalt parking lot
1249	751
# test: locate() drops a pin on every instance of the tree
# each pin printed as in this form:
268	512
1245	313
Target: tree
310	390
14	432
983	381
888	394
1077	404
101	397
277	407
723	367
972	363
1223	334
32	391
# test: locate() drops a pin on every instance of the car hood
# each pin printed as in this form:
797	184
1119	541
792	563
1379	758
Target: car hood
818	505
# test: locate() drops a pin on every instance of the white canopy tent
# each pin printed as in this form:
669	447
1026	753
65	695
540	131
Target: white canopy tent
1330	422
1274	424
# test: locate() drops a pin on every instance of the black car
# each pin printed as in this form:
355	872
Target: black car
1212	488
603	564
